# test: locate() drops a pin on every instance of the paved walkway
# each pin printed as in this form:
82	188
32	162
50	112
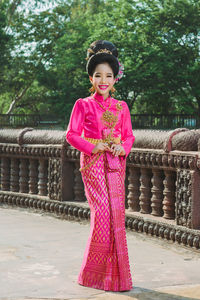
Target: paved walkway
40	257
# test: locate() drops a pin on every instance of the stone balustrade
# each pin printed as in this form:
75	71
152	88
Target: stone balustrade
40	170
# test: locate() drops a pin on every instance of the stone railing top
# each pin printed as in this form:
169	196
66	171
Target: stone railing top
32	136
181	139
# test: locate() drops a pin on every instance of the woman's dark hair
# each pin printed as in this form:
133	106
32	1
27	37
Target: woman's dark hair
102	51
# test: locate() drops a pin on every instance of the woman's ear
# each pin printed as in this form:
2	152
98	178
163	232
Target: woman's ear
91	79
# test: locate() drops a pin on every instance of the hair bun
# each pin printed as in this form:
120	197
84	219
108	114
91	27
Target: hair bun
102	46
99	52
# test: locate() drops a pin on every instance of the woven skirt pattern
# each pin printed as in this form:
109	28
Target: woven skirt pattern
106	263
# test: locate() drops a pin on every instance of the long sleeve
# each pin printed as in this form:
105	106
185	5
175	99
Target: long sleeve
127	136
75	129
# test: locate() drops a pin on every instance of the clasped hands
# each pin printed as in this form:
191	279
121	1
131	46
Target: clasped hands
116	149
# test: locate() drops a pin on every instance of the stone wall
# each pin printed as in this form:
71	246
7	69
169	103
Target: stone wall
40	170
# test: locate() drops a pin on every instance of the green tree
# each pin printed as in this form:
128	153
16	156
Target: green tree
5	48
158	44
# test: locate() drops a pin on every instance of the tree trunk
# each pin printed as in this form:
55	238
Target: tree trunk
132	101
16	99
11	11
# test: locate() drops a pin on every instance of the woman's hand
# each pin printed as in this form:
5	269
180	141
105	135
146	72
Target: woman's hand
117	149
100	147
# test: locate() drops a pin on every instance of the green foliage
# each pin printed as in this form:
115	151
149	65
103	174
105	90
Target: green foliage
5	46
43	56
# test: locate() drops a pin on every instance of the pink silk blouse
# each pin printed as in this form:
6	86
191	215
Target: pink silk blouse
85	121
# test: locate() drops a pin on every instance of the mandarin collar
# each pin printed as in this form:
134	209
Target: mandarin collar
100	98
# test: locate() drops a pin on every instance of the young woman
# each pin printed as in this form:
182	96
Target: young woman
100	127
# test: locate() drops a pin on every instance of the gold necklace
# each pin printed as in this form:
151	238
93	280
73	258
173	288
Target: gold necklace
108	118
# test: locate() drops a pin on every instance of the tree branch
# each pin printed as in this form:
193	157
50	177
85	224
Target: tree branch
17	98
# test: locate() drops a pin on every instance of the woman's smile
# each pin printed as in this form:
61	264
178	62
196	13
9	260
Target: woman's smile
103	86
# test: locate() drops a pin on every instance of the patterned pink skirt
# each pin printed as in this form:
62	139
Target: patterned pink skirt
106	264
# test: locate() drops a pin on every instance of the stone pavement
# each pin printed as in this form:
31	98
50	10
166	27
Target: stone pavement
40	258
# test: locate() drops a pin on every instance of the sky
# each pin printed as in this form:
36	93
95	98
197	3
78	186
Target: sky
37	6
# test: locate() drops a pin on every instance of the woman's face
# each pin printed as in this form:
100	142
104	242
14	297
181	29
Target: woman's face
103	79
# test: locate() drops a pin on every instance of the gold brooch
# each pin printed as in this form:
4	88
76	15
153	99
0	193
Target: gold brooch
109	119
119	106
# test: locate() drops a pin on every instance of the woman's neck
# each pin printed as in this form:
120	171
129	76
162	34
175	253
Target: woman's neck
103	97
106	96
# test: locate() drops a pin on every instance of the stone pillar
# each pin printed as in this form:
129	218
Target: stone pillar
42	177
78	184
169	194
133	189
14	175
33	176
145	189
157	192
5	174
23	175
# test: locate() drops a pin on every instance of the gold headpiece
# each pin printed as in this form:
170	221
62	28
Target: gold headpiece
104	51
100	51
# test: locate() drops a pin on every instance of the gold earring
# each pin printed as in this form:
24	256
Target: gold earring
113	90
92	90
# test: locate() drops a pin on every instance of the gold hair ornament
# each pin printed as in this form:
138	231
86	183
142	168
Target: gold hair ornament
100	51
104	51
89	51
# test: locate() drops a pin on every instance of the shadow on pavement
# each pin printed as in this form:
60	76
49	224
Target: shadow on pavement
148	294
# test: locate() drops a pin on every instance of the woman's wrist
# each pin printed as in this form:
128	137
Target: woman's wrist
123	152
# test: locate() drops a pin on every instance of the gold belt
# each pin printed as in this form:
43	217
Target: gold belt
110	140
114	140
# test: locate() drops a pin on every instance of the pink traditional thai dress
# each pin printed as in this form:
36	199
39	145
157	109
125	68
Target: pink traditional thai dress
106	263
